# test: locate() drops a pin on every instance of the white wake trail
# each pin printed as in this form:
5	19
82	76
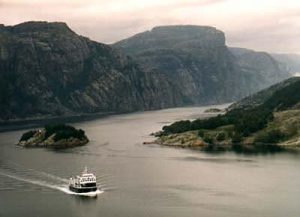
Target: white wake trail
35	182
57	183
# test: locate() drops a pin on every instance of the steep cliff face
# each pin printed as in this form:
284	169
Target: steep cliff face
191	59
264	68
47	69
196	61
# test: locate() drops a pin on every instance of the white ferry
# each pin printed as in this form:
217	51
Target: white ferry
84	183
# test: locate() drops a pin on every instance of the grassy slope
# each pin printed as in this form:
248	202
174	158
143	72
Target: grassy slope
287	122
281	128
260	97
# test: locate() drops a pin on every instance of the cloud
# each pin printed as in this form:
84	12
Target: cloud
277	32
271	25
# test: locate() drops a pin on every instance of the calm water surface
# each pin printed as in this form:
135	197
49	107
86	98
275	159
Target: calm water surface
145	180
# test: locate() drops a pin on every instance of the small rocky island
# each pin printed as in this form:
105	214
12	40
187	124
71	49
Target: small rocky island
54	136
213	110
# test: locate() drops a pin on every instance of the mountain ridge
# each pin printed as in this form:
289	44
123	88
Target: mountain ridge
203	58
64	71
47	70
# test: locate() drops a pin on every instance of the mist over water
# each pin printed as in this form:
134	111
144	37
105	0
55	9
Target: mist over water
145	180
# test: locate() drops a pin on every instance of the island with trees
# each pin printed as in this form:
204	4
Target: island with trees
54	136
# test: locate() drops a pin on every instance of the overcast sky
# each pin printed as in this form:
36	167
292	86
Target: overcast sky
269	25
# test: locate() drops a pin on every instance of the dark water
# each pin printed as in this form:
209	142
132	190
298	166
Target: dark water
145	180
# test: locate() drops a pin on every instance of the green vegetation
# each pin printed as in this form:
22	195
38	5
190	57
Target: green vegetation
55	136
254	125
236	138
208	139
201	133
270	136
221	136
244	123
28	135
63	131
285	98
250	121
178	127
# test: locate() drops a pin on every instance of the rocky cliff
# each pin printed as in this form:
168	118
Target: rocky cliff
48	70
196	61
263	68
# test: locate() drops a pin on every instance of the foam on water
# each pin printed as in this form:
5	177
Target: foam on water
35	182
88	194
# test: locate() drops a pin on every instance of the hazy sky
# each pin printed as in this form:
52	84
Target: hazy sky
270	25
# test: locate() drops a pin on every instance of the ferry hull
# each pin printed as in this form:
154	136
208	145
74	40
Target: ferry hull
82	190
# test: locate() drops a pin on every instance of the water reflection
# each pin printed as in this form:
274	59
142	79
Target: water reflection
146	180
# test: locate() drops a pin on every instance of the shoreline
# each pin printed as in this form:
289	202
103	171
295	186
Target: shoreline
21	124
241	149
190	140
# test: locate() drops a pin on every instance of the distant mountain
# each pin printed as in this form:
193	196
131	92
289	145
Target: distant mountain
196	61
291	61
262	65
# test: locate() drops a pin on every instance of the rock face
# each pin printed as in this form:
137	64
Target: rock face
197	63
48	70
261	67
183	140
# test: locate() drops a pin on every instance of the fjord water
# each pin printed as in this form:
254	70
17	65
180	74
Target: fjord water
145	180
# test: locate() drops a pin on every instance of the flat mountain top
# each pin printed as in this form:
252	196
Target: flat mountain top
39	26
168	37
